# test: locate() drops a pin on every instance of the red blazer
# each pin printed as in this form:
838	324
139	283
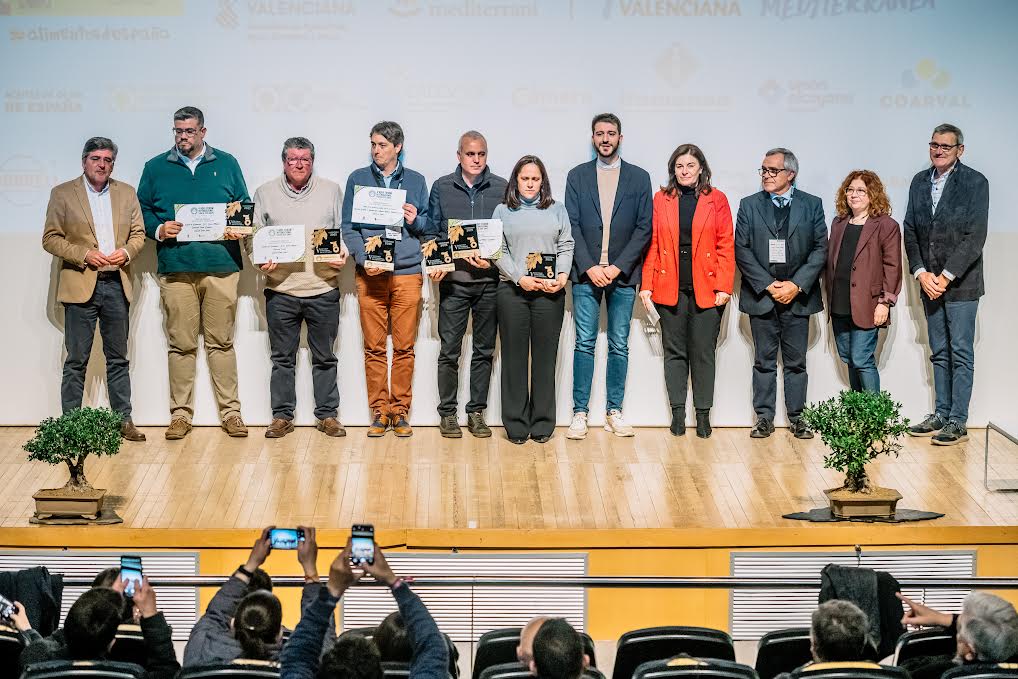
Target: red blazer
713	250
876	269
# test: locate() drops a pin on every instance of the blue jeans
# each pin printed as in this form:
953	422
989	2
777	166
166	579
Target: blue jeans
857	348
587	313
952	329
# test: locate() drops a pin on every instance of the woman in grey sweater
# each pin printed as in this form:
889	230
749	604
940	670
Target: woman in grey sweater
537	253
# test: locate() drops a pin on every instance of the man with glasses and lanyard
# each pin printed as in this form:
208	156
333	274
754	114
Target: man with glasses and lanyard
389	297
945	231
780	248
197	279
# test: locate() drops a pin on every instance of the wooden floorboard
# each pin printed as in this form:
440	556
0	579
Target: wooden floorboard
651	481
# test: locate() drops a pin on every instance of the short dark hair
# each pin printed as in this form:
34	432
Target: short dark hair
390	130
948	128
702	184
256	624
512	190
606	118
840	631
558	651
99	144
351	657
259	580
187	112
106	577
92	622
392	639
298	143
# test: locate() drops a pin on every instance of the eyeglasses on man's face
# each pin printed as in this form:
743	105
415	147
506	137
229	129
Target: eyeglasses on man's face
184	131
943	147
298	161
771	171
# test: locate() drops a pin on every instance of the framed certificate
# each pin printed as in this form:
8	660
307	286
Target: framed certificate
327	245
201	221
541	265
380	252
282	244
438	255
379	206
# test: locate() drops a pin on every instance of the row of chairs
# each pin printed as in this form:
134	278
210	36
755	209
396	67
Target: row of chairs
495	655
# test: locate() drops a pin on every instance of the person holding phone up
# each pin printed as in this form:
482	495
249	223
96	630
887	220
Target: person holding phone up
242	622
300	656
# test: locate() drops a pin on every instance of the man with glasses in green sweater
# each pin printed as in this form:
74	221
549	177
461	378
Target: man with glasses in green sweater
197	279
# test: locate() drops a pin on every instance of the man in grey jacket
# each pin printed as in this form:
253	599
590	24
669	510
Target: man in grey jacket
212	640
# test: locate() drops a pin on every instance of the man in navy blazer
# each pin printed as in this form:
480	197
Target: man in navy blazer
945	230
610	208
780	249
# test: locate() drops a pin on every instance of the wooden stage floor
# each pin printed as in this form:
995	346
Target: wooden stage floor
652	481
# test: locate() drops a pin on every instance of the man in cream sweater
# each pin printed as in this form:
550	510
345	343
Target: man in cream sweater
299	292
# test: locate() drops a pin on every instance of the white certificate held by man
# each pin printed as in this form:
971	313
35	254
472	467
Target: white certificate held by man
379	206
279	243
201	221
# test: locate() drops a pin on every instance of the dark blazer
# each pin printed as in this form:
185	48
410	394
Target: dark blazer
953	238
876	266
630	221
805	251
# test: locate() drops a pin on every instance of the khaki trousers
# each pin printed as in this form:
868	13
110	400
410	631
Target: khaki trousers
387	300
206	302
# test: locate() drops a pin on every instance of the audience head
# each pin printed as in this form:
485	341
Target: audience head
392	639
987	629
91	624
839	632
558	651
259	580
258	625
525	650
352	657
107	578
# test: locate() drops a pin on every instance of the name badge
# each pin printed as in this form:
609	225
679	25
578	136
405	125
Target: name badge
776	250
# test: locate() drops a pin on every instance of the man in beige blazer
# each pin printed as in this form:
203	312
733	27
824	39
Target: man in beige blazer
94	225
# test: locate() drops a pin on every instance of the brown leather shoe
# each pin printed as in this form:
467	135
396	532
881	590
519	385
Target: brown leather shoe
330	426
378	426
129	432
178	429
401	427
277	429
235	427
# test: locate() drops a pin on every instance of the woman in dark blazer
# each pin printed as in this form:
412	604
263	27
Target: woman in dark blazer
863	273
687	278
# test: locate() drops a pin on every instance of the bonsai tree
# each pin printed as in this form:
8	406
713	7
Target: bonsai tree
74	436
857	426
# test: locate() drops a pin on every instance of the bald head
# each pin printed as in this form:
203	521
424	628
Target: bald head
525	651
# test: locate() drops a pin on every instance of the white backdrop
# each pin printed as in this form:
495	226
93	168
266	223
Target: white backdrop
844	83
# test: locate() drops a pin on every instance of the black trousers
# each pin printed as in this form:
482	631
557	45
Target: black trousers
779	328
284	315
457	303
529	324
108	306
689	336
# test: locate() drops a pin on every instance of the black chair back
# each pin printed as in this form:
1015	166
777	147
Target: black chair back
129	646
238	669
923	643
366	632
1008	670
83	669
498	647
660	643
679	668
782	651
517	670
851	670
10	650
396	670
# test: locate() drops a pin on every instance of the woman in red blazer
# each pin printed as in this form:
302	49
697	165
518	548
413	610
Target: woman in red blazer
863	274
687	277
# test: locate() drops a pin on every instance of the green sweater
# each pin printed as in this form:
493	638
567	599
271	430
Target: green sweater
166	181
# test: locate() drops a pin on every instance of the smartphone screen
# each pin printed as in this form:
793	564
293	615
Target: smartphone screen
286	538
6	609
130	573
362	545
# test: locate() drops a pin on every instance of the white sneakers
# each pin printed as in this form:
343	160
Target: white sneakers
578	427
614	423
